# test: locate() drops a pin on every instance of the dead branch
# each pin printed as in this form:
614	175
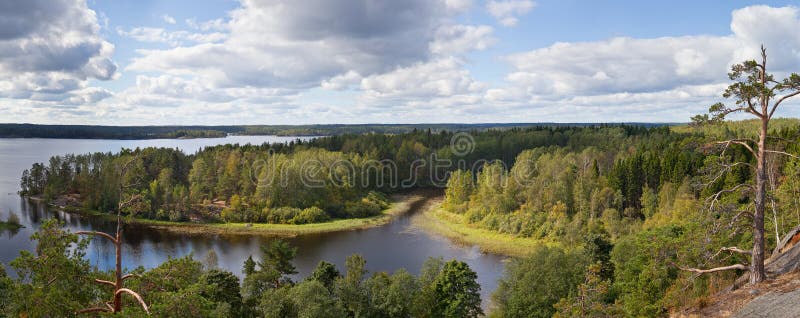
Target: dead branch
783	153
91	310
130	276
742	142
734	250
106	235
782	139
716	269
739	215
128	202
726	168
715	198
135	295
100	281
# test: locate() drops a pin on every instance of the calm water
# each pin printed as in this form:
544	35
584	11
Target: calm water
387	248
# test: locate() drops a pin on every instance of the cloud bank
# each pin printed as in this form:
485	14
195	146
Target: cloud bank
49	50
272	61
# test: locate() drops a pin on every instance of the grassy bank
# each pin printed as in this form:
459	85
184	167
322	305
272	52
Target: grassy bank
400	205
452	226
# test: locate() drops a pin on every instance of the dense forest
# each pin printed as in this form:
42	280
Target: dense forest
299	182
630	214
171	132
619	211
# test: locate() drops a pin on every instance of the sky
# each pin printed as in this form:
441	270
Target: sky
181	62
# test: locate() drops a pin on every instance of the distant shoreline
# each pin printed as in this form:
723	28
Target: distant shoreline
196	131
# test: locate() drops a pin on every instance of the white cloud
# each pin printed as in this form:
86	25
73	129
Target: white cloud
441	83
458	5
378	61
168	19
622	64
49	50
342	81
211	25
282	44
456	39
507	12
173	38
616	77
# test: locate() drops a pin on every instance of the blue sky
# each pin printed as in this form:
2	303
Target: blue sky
380	61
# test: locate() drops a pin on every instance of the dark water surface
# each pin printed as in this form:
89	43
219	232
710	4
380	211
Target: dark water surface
387	248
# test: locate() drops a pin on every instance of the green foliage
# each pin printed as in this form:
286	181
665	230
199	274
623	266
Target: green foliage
460	186
249	266
6	290
311	299
349	288
531	286
55	280
627	201
456	291
278	256
591	298
644	269
325	273
342	176
392	295
223	287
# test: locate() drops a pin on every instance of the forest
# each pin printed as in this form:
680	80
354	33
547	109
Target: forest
335	177
626	208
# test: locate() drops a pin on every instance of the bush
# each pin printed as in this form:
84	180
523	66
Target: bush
13	219
310	215
378	198
282	215
361	209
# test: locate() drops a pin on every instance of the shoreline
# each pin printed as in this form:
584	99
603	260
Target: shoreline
401	205
449	225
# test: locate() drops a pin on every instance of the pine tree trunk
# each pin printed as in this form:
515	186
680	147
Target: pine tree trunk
757	273
118	271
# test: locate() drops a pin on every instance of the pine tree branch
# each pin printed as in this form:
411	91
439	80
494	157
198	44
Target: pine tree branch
135	295
783	153
100	281
715	198
106	235
733	249
712	270
785	97
740	141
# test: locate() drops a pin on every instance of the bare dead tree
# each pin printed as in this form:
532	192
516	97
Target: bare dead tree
116	305
756	92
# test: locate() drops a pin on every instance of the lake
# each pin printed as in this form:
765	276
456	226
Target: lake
386	248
